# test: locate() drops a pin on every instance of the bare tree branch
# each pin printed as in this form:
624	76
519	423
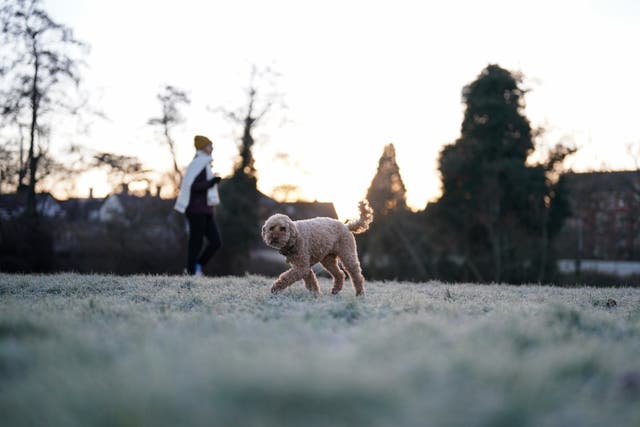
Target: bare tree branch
170	99
44	57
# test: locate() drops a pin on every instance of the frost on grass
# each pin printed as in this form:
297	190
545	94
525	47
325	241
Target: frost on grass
78	350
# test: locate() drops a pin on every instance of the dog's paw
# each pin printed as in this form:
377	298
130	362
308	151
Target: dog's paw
277	287
335	291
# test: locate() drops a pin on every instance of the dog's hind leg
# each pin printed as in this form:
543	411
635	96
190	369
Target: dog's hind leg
311	282
330	263
352	265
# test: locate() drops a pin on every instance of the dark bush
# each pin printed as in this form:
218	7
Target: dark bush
26	245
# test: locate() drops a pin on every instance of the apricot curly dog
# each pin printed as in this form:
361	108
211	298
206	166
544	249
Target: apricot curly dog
323	240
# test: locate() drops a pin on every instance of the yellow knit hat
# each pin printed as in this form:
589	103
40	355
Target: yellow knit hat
201	141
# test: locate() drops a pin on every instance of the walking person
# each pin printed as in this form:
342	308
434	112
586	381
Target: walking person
197	198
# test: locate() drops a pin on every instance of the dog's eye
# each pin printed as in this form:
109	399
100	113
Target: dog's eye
272	227
283	229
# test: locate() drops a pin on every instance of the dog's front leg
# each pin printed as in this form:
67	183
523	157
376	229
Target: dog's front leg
311	282
288	278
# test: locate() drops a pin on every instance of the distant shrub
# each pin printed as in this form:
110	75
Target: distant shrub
596	279
26	245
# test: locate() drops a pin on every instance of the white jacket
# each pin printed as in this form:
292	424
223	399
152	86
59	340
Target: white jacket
201	161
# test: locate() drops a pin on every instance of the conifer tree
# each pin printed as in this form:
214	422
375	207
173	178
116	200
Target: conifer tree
389	247
387	192
499	212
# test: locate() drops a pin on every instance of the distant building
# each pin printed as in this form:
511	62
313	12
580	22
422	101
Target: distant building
14	205
605	221
79	210
113	207
88	231
295	210
127	208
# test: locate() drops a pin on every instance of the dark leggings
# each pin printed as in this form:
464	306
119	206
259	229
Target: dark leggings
201	225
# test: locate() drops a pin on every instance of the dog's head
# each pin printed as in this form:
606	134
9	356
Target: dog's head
279	231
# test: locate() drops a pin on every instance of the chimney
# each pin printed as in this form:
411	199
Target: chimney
91	192
158	188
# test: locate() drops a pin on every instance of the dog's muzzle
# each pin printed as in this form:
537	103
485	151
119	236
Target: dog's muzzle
273	241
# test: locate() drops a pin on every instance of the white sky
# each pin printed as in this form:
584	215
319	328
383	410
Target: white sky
355	76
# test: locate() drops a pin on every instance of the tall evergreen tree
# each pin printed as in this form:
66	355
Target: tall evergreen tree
387	192
389	247
497	208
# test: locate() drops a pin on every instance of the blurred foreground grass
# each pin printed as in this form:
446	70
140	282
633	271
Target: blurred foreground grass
89	350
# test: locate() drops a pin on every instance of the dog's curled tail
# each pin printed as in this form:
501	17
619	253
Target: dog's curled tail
360	225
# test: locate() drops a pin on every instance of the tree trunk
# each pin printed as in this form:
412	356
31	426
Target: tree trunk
177	175
545	246
496	249
22	167
32	158
473	268
413	254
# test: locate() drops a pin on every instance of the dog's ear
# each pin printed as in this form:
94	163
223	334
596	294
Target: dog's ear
293	231
265	227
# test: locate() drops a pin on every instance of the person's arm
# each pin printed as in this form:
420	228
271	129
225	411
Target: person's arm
201	183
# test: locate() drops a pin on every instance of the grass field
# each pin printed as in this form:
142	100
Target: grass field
83	350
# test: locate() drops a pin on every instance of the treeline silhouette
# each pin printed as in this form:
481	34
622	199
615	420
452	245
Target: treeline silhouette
497	220
498	216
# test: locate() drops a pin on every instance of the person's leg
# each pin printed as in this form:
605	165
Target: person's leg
196	233
213	240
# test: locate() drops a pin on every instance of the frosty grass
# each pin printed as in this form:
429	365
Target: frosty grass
95	350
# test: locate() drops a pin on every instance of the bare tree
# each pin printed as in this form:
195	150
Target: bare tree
238	214
170	99
286	192
61	177
13	169
121	170
41	63
260	101
9	168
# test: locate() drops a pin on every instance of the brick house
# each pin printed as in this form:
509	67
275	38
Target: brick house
605	220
